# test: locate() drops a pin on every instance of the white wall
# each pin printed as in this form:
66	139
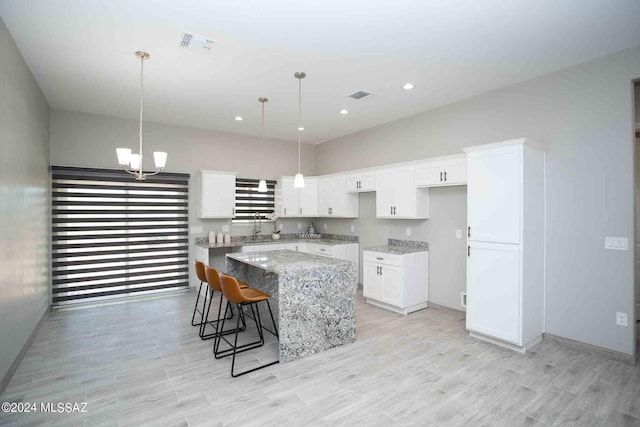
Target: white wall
24	203
585	116
90	140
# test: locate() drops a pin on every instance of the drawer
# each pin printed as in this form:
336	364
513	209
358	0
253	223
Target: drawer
381	258
321	249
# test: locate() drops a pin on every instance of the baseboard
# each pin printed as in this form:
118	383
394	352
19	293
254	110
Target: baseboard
14	366
440	306
600	351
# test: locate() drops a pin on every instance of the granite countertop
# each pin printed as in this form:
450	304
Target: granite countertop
396	250
236	243
400	247
291	261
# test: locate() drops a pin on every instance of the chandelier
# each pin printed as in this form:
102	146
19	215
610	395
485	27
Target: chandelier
132	163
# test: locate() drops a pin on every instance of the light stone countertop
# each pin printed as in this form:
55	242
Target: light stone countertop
394	249
280	261
235	244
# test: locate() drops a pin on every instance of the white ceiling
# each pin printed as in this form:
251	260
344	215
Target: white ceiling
81	53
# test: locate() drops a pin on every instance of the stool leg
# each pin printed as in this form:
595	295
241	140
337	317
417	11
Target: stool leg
235	347
275	328
195	308
219	331
205	313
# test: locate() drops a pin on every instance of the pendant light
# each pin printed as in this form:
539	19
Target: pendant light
262	186
298	180
132	163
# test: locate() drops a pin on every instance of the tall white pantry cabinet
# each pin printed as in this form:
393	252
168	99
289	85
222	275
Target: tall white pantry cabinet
505	258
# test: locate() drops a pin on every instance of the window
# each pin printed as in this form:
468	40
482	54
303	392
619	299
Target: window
115	236
249	202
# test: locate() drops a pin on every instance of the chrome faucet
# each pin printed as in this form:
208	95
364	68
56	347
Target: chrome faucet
257	225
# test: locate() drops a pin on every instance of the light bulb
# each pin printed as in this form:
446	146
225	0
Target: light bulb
135	161
298	181
262	186
124	154
160	159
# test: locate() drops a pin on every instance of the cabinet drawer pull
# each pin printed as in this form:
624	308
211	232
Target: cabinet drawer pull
445	176
468	231
468	251
381	259
440	176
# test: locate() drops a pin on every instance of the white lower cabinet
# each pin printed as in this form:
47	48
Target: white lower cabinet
398	283
493	289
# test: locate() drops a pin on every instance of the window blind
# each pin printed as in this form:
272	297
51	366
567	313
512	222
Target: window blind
250	202
115	236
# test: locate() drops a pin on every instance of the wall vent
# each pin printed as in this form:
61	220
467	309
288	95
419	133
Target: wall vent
360	95
196	43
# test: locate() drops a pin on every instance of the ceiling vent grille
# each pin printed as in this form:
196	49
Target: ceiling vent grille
360	95
196	43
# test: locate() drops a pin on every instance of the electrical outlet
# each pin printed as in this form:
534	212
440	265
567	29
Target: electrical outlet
225	228
353	228
621	319
299	226
616	243
196	229
324	226
463	299
408	231
458	234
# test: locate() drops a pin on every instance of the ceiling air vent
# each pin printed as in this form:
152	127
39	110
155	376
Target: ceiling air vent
360	95
196	43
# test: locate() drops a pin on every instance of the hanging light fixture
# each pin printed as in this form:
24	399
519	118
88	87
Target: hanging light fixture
262	186
298	180
132	163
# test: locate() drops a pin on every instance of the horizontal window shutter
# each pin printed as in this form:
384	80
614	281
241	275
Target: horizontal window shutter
115	236
250	202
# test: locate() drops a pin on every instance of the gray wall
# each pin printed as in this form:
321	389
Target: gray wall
24	202
585	116
447	255
84	139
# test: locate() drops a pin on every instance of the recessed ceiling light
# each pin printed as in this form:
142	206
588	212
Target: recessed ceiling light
300	128
408	86
238	119
343	111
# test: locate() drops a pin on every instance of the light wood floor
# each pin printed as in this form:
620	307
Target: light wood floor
141	363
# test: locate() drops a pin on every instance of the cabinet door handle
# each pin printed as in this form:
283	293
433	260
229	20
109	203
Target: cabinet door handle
440	176
468	250
300	211
468	231
394	210
322	250
381	271
390	210
445	176
381	259
377	270
285	211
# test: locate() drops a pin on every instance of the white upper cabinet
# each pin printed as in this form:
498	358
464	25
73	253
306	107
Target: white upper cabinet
217	194
297	202
494	194
397	195
361	182
308	197
442	171
333	199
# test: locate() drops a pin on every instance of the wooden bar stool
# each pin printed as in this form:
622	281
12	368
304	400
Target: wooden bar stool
247	297
213	280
